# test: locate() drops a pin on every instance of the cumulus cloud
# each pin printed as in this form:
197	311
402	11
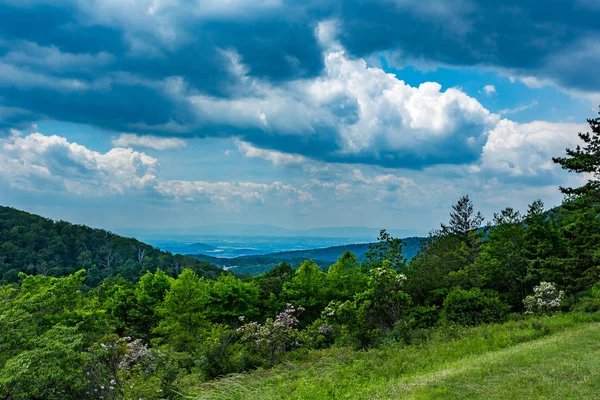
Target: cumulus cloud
353	113
148	142
525	151
37	162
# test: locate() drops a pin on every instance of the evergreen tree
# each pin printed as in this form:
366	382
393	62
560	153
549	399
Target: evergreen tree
463	219
581	209
584	160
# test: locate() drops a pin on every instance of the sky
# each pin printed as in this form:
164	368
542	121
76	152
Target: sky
155	114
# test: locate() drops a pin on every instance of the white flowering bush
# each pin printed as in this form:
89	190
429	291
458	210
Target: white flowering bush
546	299
274	336
120	367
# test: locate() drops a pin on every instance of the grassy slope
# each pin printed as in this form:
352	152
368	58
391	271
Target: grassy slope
551	358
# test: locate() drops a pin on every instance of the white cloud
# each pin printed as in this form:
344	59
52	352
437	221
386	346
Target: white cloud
233	194
533	82
29	54
489	90
51	163
519	109
277	158
366	113
36	162
148	142
526	150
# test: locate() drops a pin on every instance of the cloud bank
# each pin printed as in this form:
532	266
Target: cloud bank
285	76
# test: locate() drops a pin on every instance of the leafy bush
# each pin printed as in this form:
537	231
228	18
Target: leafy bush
274	336
424	316
473	307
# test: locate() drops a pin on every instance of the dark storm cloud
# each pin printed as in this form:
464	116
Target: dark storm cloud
555	39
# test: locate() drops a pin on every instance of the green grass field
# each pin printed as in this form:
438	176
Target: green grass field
536	358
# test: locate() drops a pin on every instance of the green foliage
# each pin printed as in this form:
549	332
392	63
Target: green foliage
270	287
275	336
49	369
503	260
372	312
463	219
473	307
231	298
384	302
429	271
387	248
581	225
149	295
307	290
345	278
185	312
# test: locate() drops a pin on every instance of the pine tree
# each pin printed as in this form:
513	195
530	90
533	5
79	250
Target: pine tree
584	160
463	219
580	224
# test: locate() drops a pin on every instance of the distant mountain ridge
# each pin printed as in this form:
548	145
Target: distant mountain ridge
324	257
232	229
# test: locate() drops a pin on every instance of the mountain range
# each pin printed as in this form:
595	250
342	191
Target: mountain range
324	257
233	229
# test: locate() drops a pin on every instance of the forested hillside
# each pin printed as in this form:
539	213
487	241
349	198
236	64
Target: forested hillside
256	265
167	334
36	245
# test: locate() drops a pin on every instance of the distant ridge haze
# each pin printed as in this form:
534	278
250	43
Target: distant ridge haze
233	229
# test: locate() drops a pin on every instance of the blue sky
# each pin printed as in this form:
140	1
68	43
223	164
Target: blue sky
182	113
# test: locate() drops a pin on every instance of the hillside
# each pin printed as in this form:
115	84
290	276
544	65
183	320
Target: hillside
37	245
255	265
411	247
550	358
324	257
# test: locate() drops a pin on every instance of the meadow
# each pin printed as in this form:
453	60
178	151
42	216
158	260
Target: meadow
539	357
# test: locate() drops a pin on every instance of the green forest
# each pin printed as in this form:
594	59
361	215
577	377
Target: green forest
85	314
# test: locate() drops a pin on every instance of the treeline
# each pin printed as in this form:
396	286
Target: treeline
40	246
151	337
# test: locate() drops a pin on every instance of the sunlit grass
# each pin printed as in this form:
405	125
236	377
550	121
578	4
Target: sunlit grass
555	357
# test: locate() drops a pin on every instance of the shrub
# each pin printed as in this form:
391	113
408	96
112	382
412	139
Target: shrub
596	291
424	316
372	313
124	368
546	298
473	307
274	336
